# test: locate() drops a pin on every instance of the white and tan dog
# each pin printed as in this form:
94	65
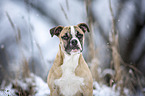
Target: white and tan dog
70	75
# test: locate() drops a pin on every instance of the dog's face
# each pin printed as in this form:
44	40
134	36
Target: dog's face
71	38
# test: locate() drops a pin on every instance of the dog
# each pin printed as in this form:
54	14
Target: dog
69	74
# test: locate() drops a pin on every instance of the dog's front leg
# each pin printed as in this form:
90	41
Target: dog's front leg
55	91
87	91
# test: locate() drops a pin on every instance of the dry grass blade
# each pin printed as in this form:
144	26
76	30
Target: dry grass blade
64	13
12	24
26	71
92	52
91	34
10	20
115	54
19	34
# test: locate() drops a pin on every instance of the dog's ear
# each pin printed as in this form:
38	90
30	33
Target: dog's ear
83	27
56	31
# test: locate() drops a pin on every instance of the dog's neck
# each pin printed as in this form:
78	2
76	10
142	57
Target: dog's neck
72	57
70	62
69	83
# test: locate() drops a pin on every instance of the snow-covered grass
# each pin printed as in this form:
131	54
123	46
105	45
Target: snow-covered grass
7	91
33	85
37	87
104	90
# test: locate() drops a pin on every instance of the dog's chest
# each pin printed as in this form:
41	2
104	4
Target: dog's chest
69	83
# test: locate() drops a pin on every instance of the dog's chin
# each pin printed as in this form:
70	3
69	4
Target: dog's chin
72	50
75	51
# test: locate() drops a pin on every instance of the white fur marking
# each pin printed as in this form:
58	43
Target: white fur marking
74	36
73	31
69	83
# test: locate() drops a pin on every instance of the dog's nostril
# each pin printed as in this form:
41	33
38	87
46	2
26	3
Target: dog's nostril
74	42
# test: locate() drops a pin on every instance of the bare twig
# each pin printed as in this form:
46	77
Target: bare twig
92	53
12	24
30	32
113	20
115	54
17	31
64	13
117	60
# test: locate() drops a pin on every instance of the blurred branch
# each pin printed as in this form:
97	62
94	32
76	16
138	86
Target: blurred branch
92	53
113	20
66	17
12	24
90	22
115	54
120	76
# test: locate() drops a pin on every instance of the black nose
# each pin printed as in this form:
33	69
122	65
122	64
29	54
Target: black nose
74	42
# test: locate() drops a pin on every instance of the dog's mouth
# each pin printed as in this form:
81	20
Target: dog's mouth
75	48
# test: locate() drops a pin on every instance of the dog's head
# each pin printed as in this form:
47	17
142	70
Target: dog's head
71	38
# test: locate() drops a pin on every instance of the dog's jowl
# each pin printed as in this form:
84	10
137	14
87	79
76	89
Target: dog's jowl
70	75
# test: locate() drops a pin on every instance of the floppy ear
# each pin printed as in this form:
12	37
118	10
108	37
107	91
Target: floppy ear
56	31
83	27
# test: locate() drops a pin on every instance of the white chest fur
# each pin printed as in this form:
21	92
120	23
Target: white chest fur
69	83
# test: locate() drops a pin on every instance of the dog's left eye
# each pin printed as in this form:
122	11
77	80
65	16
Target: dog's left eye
79	35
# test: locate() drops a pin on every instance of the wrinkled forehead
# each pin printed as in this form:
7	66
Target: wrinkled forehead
71	30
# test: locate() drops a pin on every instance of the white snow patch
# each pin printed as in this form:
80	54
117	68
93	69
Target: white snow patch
104	90
41	88
7	91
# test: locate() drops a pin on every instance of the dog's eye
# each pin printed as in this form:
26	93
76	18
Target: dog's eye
79	35
65	37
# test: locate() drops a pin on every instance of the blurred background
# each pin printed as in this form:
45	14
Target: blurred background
114	49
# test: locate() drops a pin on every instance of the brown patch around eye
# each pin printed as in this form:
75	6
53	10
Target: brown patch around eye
79	35
65	36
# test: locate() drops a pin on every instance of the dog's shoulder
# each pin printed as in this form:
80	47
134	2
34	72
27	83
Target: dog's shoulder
82	69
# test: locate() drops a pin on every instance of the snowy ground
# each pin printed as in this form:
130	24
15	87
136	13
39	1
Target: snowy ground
40	88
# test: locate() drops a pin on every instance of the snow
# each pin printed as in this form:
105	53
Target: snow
104	90
7	91
41	88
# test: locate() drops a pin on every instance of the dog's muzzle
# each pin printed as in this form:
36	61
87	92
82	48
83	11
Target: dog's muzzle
74	45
